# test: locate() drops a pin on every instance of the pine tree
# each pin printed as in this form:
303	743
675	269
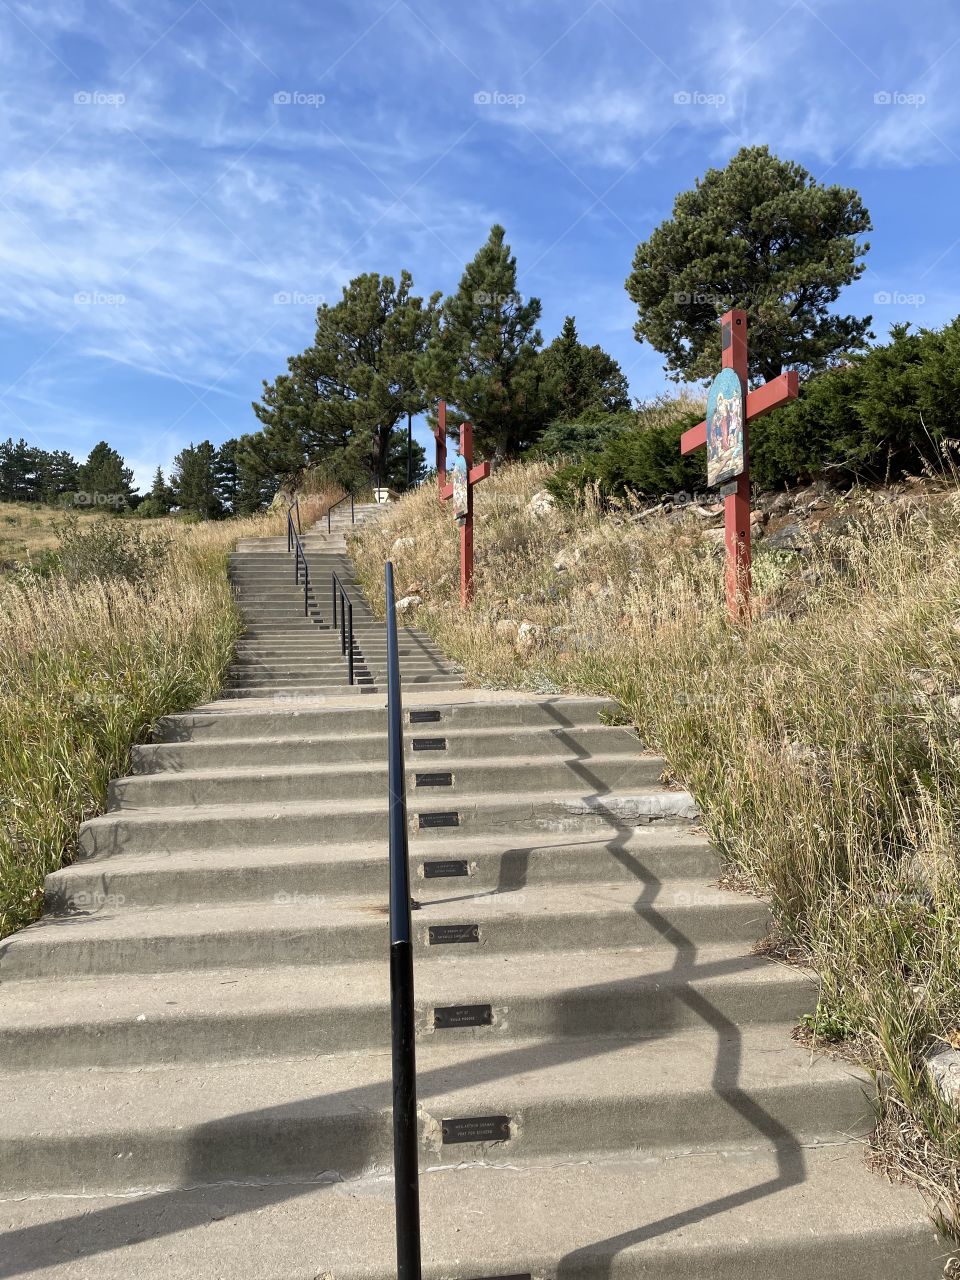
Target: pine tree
764	235
161	495
57	474
342	399
19	468
578	379
483	355
194	480
105	479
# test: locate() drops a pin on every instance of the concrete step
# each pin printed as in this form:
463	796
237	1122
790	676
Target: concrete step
491	742
210	1015
286	693
362	684
601	774
476	710
796	1214
261	673
308	821
258	615
296	625
463	867
294	931
329	683
291	643
334	671
288	1118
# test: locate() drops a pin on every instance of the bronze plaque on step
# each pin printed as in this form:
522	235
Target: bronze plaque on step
434	779
440	934
439	820
424	717
476	1129
446	869
429	744
452	1016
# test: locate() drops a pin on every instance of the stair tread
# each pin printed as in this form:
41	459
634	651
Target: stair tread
375	737
455	1076
722	1216
464	847
171	995
441	903
624	753
429	801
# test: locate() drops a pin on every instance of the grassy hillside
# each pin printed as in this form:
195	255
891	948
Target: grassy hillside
27	529
822	741
139	620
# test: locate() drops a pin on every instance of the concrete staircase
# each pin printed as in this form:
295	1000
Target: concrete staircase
287	653
195	1039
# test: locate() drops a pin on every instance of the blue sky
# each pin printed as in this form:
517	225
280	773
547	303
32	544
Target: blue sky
183	181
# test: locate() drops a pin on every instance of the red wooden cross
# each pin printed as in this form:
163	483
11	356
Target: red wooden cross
474	476
440	436
736	505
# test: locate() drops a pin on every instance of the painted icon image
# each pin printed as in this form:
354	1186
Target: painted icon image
460	488
724	428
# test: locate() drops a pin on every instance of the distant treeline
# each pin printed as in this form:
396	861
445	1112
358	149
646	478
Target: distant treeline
205	480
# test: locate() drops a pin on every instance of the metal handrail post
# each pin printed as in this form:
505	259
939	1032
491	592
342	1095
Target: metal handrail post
352	516
349	642
343	623
406	1170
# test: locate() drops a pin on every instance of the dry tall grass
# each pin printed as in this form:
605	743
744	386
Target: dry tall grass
27	530
86	669
822	741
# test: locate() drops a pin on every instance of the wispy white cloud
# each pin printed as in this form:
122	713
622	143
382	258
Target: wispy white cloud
200	197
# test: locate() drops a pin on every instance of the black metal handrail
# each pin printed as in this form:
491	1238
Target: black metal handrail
343	608
406	1171
299	559
294	506
339	502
